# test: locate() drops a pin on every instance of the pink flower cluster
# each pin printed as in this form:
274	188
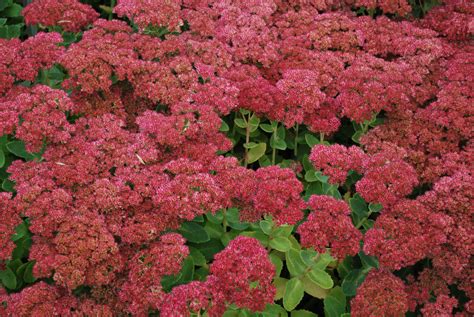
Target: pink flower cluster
337	160
10	220
22	60
38	117
138	157
70	15
329	225
381	294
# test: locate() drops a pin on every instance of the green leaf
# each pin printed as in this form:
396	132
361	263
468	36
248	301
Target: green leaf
10	31
198	257
215	231
4	4
208	249
280	285
277	143
224	127
283	231
193	232
303	313
345	267
356	136
250	145
320	278
352	281
2	158
18	148
359	208
187	271
14	264
308	256
294	293
260	236
274	310
312	289
280	243
281	132
368	261
216	218
8	278
294	262
335	303
277	262
374	208
311	140
240	123
310	176
266	226
8	185
257	152
14	10
28	274
323	261
253	122
231	313
266	127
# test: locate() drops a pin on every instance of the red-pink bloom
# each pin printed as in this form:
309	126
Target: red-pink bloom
443	307
242	274
41	299
400	7
381	294
330	226
188	193
185	299
386	178
10	219
337	160
278	193
406	234
42	114
70	15
453	19
23	60
36	52
157	13
301	96
143	290
453	196
84	253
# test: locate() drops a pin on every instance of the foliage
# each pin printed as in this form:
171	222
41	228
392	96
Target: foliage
236	158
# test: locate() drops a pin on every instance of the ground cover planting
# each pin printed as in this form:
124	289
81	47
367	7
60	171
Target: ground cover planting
236	158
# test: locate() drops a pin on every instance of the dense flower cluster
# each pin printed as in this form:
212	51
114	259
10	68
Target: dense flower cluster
38	117
400	7
336	161
151	13
22	60
405	234
381	294
243	274
7	227
70	15
132	146
329	225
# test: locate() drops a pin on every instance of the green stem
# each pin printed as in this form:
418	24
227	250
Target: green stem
247	140
296	140
360	223
321	137
275	135
224	220
112	5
